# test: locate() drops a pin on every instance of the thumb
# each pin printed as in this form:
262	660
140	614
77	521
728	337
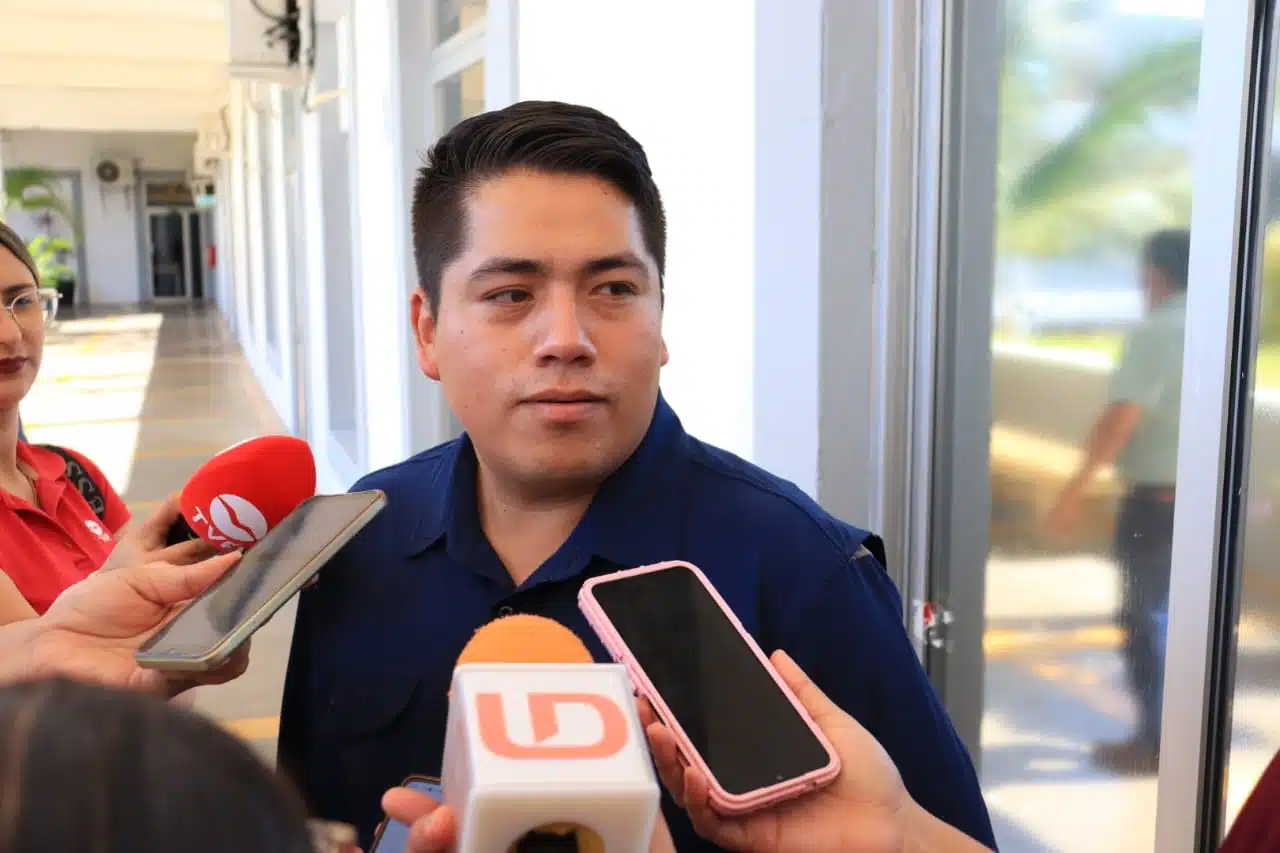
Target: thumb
823	710
165	585
163	516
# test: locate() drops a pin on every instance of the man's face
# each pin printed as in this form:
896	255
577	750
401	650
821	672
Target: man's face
549	341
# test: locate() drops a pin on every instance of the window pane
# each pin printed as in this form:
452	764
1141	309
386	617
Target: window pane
1097	107
453	16
460	96
1255	705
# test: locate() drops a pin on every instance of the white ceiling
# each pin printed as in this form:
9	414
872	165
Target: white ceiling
111	65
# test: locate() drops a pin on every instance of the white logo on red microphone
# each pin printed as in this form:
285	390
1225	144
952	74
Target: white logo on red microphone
232	520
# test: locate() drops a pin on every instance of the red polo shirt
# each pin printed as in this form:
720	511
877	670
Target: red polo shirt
46	550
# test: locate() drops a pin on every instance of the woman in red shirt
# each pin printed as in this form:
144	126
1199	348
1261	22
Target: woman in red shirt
50	537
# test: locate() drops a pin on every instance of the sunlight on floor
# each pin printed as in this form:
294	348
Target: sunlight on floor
92	387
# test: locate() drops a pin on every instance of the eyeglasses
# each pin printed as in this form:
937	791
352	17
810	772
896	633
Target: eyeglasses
33	309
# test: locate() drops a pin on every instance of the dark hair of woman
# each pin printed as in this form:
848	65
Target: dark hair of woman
94	770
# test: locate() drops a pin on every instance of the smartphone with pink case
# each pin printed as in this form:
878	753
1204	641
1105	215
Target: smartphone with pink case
733	717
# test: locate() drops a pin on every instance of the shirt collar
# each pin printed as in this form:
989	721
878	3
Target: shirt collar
632	520
49	468
47	464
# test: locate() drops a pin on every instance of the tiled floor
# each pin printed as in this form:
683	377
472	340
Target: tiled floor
150	394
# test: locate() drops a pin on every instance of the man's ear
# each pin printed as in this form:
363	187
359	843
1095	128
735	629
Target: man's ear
424	333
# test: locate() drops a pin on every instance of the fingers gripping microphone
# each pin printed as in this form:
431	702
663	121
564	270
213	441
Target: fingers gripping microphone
544	749
245	490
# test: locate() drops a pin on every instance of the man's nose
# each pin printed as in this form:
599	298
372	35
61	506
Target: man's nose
565	337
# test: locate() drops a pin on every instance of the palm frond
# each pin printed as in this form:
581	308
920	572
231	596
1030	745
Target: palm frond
1165	77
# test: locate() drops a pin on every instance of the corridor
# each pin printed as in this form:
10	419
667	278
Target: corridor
150	395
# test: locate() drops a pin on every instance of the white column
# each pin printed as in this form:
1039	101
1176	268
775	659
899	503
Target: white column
682	81
382	200
726	98
238	256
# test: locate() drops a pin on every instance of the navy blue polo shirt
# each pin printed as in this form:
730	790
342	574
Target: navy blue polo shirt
377	637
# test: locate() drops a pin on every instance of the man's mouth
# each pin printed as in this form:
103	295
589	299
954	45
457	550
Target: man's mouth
565	397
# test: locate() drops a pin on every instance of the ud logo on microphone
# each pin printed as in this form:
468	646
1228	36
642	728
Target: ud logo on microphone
232	520
544	711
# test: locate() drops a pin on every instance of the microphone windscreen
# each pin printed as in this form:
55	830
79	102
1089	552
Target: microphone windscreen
543	748
247	489
524	638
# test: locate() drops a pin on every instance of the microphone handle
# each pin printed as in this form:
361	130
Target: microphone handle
179	532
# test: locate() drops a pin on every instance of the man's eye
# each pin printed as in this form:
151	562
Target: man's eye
619	288
508	297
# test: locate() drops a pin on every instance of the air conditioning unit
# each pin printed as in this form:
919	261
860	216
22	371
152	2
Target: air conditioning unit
270	40
114	173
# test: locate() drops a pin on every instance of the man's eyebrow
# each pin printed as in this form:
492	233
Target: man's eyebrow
500	266
620	261
508	266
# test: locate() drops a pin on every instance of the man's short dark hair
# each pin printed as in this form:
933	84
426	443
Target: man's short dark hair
1169	251
544	136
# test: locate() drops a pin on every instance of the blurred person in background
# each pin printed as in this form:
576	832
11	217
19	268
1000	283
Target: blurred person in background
60	519
91	768
1138	433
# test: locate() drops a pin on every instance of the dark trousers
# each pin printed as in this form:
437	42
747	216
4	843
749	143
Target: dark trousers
1144	550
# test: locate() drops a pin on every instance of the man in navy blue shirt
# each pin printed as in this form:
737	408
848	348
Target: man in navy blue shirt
539	239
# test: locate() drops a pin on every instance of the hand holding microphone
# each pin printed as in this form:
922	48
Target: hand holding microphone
149	541
544	750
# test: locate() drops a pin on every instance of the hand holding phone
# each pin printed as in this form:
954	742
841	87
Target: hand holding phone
392	835
207	632
732	716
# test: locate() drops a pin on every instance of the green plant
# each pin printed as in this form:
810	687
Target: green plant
33	191
1111	179
46	251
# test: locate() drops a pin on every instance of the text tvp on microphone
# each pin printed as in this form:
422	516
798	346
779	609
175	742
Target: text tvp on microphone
245	490
544	749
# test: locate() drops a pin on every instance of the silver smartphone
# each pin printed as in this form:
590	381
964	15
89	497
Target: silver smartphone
209	630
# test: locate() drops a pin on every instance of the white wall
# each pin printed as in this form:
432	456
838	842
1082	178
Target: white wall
111	235
682	82
732	124
725	96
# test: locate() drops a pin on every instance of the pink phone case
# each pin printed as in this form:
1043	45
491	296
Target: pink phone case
721	800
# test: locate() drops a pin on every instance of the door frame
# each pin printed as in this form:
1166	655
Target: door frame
142	233
188	238
1190	765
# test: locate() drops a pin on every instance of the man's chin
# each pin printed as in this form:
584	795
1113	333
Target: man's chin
566	471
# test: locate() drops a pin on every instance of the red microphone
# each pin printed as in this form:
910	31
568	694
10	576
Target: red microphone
245	490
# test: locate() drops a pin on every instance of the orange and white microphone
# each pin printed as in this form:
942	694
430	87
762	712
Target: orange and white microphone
544	749
245	490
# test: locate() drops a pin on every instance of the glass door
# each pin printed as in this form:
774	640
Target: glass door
1086	249
168	240
1242	716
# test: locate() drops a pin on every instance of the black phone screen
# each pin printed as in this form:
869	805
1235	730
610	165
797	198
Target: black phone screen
738	719
285	556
